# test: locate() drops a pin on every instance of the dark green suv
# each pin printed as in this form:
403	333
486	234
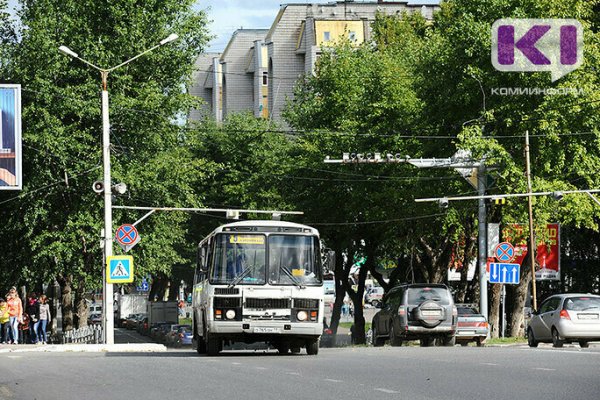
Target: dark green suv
423	312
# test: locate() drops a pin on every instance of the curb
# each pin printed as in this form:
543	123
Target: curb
86	348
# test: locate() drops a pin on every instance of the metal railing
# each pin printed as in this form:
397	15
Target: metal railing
88	335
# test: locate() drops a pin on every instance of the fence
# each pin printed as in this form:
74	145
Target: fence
90	335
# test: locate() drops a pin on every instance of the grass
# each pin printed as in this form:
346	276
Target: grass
507	340
348	325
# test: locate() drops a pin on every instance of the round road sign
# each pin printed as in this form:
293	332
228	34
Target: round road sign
126	235
504	252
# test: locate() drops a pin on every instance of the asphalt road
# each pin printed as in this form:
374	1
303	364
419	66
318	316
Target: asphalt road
345	373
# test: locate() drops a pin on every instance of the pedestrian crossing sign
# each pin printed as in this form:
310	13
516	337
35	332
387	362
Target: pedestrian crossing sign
119	269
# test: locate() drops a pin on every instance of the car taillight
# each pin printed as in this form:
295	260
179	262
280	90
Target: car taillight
402	311
481	325
564	314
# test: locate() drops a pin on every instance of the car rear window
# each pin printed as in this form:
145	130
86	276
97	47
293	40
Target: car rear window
419	295
466	311
582	303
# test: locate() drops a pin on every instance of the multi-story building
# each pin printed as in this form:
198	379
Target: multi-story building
260	67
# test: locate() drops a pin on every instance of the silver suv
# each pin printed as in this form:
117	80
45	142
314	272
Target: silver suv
416	311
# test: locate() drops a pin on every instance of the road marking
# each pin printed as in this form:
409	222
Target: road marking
294	373
236	363
386	390
14	357
492	364
544	369
333	380
261	368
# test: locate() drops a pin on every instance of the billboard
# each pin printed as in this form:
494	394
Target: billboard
547	258
10	137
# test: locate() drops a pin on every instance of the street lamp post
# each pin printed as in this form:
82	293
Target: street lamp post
107	288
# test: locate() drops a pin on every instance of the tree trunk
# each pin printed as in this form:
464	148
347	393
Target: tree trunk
494	318
82	307
516	325
340	275
67	303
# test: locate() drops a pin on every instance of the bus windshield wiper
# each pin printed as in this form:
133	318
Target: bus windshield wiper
239	277
292	277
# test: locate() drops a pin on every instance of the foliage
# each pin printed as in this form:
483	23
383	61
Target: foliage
52	229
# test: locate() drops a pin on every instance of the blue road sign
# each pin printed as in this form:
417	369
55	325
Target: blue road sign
119	269
505	273
144	286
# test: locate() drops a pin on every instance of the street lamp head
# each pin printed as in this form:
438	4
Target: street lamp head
558	195
170	38
68	51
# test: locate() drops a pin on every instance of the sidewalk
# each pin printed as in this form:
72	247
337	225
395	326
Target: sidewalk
90	348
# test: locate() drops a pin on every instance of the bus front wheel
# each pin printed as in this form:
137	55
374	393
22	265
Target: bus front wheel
213	345
312	347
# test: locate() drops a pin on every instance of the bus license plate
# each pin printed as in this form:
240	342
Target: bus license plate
266	330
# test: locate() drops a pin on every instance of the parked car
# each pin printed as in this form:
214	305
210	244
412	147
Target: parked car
181	336
130	321
373	295
471	326
566	318
416	311
95	319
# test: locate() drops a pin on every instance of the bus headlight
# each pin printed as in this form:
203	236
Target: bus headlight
230	314
302	316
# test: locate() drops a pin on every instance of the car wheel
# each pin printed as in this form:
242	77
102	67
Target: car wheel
312	347
394	340
375	303
449	341
584	344
464	344
531	339
377	341
556	340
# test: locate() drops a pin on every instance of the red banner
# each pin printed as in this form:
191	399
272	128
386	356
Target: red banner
547	259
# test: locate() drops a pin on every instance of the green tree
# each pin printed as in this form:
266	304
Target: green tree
52	229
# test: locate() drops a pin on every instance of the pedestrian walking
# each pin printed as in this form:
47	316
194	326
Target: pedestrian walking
33	311
45	318
15	314
4	318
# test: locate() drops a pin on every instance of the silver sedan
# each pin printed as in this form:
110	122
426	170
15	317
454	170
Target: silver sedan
566	318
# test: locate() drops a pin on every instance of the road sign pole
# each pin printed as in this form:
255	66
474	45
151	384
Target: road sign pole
503	310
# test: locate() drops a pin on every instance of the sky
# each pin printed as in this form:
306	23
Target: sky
229	15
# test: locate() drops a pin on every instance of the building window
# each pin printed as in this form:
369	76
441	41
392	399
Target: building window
352	36
326	36
265	78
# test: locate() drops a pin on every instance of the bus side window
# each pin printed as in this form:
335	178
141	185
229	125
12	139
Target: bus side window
201	267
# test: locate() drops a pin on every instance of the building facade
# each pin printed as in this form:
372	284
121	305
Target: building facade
259	68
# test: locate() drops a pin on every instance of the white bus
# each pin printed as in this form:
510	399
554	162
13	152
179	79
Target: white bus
259	281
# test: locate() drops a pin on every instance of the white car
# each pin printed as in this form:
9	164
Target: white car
374	295
566	318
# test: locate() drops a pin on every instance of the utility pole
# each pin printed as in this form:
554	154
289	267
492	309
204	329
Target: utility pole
531	232
482	242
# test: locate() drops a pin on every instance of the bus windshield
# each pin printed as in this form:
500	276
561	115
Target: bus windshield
239	259
293	260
